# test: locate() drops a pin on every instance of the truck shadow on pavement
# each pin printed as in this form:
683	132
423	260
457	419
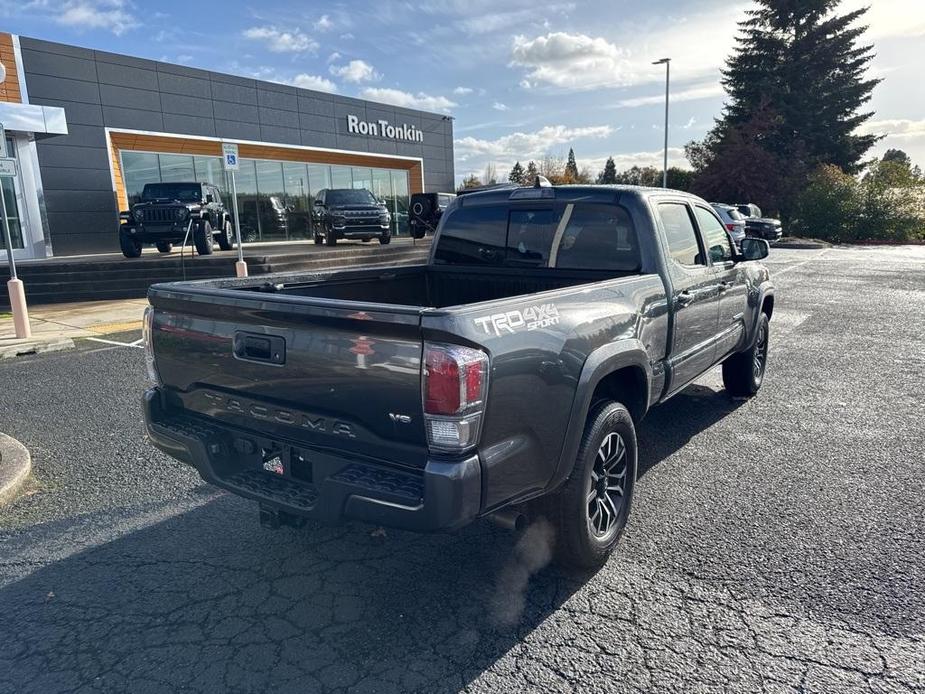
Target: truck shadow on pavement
205	599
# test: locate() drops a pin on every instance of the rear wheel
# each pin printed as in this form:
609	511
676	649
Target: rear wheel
164	246
202	238
131	248
591	509
743	373
226	237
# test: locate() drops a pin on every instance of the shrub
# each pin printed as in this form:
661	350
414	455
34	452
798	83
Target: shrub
887	204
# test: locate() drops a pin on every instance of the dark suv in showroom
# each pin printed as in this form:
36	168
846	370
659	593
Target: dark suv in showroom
350	213
168	212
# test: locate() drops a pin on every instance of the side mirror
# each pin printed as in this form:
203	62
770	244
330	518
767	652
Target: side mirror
754	249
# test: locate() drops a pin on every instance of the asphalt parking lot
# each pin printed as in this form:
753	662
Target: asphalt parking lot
776	544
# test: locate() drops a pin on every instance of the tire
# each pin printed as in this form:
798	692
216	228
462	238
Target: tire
226	239
202	238
329	238
385	239
743	372
131	248
164	246
318	239
588	515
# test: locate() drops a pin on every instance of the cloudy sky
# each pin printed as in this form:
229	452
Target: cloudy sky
520	77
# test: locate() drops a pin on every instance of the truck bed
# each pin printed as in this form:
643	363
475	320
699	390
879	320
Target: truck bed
418	286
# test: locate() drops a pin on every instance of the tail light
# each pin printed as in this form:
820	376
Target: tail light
454	389
731	227
147	335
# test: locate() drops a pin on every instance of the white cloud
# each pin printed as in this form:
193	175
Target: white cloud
335	56
279	41
111	15
324	23
571	61
347	37
566	61
356	71
525	145
462	91
320	84
396	97
889	18
498	106
525	84
898	128
690	124
698	91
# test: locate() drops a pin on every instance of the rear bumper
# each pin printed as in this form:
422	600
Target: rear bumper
317	484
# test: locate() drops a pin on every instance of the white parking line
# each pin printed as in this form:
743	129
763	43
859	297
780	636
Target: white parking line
118	344
778	273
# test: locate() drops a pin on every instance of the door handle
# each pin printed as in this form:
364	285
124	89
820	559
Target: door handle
685	298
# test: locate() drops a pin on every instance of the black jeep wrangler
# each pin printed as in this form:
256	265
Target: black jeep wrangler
168	212
350	213
426	211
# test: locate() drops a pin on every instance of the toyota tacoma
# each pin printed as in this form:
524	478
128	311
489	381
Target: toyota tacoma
506	377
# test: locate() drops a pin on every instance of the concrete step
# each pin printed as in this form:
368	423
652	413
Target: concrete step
66	280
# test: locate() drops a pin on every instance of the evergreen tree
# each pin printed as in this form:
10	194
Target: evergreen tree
517	174
571	168
798	72
532	173
609	175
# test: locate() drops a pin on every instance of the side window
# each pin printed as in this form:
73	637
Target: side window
714	234
597	237
473	236
679	230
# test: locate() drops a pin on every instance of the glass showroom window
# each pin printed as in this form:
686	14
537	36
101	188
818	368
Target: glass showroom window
246	180
400	211
363	178
12	209
176	168
209	170
139	168
298	204
341	177
270	196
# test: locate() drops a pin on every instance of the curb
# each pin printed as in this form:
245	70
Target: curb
15	466
801	245
10	349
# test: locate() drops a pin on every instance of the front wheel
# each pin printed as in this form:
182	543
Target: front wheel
164	246
226	236
131	248
202	238
330	238
743	373
590	510
385	239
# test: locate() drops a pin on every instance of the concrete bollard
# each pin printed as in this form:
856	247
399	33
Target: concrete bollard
20	311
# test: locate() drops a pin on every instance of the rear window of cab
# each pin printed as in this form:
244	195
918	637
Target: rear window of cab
577	236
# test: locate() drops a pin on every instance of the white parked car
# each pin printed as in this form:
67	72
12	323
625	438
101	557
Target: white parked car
733	219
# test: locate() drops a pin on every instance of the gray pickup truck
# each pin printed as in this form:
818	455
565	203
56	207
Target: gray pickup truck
504	378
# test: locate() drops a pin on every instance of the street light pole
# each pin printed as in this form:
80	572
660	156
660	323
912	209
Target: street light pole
667	63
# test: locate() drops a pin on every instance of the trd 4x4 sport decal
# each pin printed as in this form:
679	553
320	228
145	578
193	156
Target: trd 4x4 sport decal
532	318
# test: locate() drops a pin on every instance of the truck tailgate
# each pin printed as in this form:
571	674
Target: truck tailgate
321	372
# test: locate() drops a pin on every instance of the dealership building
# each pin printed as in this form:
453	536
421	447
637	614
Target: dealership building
89	128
